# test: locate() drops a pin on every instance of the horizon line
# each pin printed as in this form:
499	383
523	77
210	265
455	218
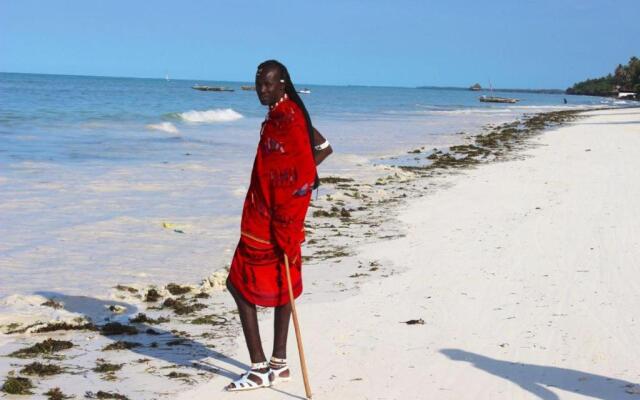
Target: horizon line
297	84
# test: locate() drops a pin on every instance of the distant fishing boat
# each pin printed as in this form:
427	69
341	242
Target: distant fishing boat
495	99
247	87
205	88
305	91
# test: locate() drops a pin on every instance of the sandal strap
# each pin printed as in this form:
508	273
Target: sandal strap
278	361
244	383
260	365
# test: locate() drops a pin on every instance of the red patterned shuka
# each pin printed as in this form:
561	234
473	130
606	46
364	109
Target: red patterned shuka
274	209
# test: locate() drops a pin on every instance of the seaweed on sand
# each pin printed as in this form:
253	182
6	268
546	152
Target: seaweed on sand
335	212
181	308
177	375
52	303
105	395
17	385
116	328
105	367
152	296
36	368
142	318
334	179
48	346
56	394
65	326
176	289
211	319
121	345
124	288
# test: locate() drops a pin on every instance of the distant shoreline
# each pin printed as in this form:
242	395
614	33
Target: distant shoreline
300	84
541	91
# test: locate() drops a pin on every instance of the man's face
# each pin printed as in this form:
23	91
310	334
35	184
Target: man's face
268	86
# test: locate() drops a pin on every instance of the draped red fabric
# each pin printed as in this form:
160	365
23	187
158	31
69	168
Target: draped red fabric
274	209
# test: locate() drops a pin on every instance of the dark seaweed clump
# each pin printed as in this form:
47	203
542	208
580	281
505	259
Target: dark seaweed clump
56	394
121	345
127	289
152	296
36	368
176	290
52	303
175	375
105	367
17	385
106	395
211	319
335	212
116	328
334	179
48	346
64	326
142	318
181	308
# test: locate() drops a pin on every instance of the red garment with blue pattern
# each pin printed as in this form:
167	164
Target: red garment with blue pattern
274	209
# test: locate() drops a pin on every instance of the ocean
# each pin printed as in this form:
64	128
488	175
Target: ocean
141	181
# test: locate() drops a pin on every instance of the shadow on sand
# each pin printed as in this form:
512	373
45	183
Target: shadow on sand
537	379
171	348
187	353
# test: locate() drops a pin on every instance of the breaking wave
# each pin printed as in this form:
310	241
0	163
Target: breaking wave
208	116
164	127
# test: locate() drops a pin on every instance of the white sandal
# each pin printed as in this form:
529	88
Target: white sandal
276	367
244	383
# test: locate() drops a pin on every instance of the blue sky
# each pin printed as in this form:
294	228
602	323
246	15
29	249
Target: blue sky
515	43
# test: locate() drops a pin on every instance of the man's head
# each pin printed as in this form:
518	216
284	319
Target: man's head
270	84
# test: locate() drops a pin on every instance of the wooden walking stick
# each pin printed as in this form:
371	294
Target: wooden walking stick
303	363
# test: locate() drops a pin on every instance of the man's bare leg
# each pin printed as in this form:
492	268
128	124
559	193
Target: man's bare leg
280	330
249	320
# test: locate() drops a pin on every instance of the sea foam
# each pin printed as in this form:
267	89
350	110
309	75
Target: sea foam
208	116
164	127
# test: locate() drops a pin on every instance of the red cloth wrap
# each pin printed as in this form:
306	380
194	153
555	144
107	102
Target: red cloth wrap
274	210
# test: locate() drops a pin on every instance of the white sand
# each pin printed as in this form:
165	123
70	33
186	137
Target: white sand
526	273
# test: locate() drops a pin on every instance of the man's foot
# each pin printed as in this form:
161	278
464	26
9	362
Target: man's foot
257	377
279	370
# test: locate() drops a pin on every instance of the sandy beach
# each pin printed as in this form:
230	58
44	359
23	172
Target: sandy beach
522	273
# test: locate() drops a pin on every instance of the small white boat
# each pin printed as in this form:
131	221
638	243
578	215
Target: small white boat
496	99
304	91
205	88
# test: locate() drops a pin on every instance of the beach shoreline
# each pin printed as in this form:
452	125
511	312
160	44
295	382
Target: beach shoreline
368	271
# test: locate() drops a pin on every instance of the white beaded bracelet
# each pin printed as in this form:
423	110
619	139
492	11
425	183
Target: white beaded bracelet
322	146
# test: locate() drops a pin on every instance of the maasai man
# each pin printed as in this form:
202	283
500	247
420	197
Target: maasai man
283	177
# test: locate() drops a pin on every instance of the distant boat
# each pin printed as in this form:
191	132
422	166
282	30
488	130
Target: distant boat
305	91
247	87
166	77
205	88
495	99
476	87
